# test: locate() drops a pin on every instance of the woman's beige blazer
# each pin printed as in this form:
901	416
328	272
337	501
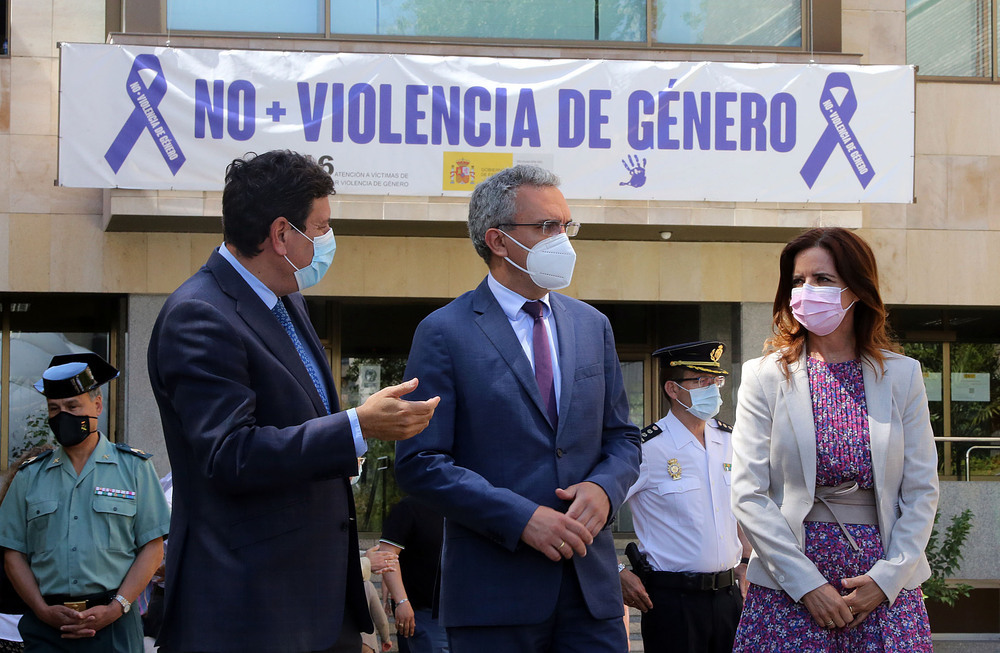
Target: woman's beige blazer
774	472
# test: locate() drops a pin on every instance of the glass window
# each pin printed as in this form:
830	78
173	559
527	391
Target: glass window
576	20
30	354
36	328
949	37
294	16
960	356
737	22
374	344
4	32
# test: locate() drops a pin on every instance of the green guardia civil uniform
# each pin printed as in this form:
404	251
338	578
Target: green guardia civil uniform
81	533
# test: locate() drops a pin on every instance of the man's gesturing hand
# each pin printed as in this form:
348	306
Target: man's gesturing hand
385	416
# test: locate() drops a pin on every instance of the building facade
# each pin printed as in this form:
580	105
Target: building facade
88	268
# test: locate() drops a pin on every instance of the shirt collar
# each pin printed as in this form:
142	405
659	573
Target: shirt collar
510	301
102	453
678	432
262	291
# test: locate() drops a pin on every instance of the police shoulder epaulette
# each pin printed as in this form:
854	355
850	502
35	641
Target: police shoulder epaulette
135	452
650	432
41	456
722	426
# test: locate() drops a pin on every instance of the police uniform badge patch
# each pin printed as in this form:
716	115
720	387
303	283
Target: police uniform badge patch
722	426
132	450
674	469
650	432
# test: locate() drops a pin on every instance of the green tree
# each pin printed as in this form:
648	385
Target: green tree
944	557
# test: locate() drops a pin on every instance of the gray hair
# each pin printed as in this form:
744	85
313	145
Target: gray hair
493	201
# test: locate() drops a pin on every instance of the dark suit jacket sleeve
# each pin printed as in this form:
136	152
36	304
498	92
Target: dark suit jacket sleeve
425	464
618	469
211	378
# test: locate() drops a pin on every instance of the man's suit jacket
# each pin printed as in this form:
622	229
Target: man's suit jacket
774	472
263	547
490	456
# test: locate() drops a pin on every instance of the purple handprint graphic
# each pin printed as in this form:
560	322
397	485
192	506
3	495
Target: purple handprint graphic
636	171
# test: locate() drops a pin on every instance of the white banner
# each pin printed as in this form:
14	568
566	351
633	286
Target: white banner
167	118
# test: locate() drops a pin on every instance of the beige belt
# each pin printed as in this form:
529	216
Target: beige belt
844	503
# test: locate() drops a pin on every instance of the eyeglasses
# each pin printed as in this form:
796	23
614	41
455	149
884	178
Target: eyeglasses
705	381
549	227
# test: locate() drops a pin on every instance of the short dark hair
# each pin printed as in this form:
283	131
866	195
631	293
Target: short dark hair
262	188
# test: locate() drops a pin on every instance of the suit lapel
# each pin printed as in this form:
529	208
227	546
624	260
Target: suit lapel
262	322
566	332
878	397
495	325
799	404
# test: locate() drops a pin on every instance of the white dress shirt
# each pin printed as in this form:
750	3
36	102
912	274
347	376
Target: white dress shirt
686	523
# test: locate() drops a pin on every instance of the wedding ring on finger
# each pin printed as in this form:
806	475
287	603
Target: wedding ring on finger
561	544
851	608
830	624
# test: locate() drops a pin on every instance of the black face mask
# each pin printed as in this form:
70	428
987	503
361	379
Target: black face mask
70	429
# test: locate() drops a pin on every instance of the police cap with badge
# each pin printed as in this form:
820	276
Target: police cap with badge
69	375
702	356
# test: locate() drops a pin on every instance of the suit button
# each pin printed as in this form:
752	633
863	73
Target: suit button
559	453
343	526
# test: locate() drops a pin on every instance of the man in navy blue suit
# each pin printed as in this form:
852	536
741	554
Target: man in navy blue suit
263	553
531	451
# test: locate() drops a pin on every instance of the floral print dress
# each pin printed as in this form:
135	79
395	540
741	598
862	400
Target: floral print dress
771	621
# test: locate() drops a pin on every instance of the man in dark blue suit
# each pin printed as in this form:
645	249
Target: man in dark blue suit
263	554
531	451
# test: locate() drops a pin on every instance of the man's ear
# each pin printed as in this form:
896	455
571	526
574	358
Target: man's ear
497	242
277	234
670	390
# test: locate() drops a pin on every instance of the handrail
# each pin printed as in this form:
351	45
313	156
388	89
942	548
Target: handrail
977	446
963	439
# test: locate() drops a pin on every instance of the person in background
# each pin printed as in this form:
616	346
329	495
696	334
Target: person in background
693	554
82	525
834	464
414	531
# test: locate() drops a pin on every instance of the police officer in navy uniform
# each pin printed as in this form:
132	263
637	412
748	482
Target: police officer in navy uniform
82	525
691	562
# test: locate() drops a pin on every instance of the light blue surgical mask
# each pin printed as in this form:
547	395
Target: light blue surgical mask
705	402
324	247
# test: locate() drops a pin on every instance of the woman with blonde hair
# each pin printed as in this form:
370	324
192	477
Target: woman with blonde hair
834	464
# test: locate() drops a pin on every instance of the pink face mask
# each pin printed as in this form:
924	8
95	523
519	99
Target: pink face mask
818	308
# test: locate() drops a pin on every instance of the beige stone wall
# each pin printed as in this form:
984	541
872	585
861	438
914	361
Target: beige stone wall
937	251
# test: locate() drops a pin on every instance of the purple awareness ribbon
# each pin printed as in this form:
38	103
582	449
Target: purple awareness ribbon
146	115
838	132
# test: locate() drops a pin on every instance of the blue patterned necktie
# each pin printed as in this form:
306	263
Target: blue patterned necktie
285	320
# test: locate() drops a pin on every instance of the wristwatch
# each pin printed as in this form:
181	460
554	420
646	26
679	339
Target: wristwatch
621	567
125	603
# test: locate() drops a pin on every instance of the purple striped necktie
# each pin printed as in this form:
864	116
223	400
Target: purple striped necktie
543	360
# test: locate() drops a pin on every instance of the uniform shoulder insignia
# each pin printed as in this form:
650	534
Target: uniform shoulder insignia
135	452
650	432
41	456
723	426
